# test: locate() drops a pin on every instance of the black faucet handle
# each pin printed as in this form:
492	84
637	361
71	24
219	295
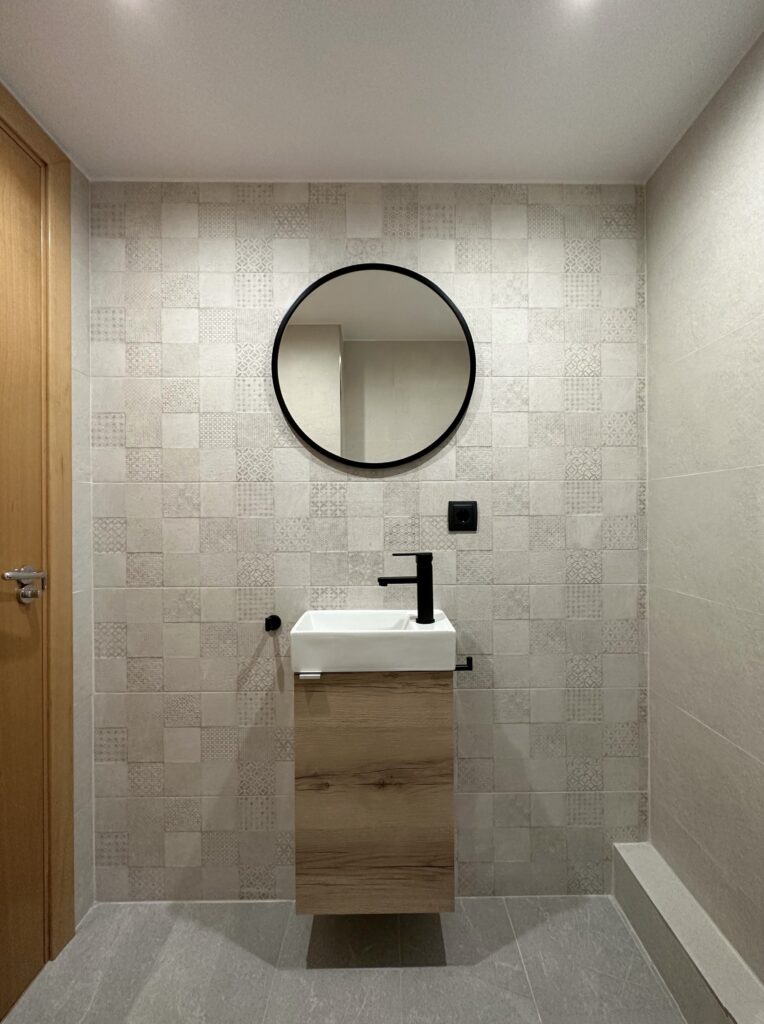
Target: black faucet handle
412	554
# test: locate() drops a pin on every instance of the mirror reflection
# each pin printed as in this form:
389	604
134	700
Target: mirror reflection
374	365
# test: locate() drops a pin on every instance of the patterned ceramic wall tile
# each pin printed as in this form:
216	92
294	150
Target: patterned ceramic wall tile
209	514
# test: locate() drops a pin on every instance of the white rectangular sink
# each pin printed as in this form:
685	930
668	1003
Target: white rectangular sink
373	640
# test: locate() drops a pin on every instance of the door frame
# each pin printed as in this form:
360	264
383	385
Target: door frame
56	609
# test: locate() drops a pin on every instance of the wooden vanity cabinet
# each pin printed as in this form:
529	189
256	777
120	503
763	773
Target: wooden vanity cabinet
374	793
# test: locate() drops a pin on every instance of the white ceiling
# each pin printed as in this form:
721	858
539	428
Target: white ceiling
381	90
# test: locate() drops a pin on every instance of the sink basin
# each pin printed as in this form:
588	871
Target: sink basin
373	640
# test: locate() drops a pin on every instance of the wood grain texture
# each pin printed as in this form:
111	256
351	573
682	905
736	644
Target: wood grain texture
22	686
24	126
58	556
51	426
374	793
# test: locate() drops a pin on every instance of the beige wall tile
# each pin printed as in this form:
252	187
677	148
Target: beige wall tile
218	516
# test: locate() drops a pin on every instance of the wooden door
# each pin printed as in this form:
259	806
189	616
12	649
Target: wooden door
22	726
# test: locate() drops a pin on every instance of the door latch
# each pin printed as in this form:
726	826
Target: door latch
26	577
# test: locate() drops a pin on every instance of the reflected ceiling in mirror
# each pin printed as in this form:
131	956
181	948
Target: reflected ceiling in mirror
373	365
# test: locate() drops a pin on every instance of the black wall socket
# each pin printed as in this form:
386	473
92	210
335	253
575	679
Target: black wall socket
462	516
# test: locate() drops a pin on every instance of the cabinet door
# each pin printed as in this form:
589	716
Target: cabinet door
374	764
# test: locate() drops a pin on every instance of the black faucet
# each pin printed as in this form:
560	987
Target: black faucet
423	580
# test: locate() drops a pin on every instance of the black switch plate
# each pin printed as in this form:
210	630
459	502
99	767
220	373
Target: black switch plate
462	516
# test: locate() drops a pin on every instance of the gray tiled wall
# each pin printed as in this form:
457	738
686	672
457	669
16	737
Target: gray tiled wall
209	514
706	225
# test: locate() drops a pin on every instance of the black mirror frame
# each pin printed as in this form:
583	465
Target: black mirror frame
467	337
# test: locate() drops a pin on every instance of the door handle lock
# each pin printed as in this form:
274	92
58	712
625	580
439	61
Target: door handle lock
26	576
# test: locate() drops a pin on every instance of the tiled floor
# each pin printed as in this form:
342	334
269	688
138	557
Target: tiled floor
553	960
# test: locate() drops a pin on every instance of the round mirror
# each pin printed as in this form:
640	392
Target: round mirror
373	365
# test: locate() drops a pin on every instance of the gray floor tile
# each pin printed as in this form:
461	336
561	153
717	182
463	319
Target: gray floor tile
216	966
584	965
176	989
98	974
168	962
330	941
477	930
475	973
259	963
482	994
246	962
335	997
